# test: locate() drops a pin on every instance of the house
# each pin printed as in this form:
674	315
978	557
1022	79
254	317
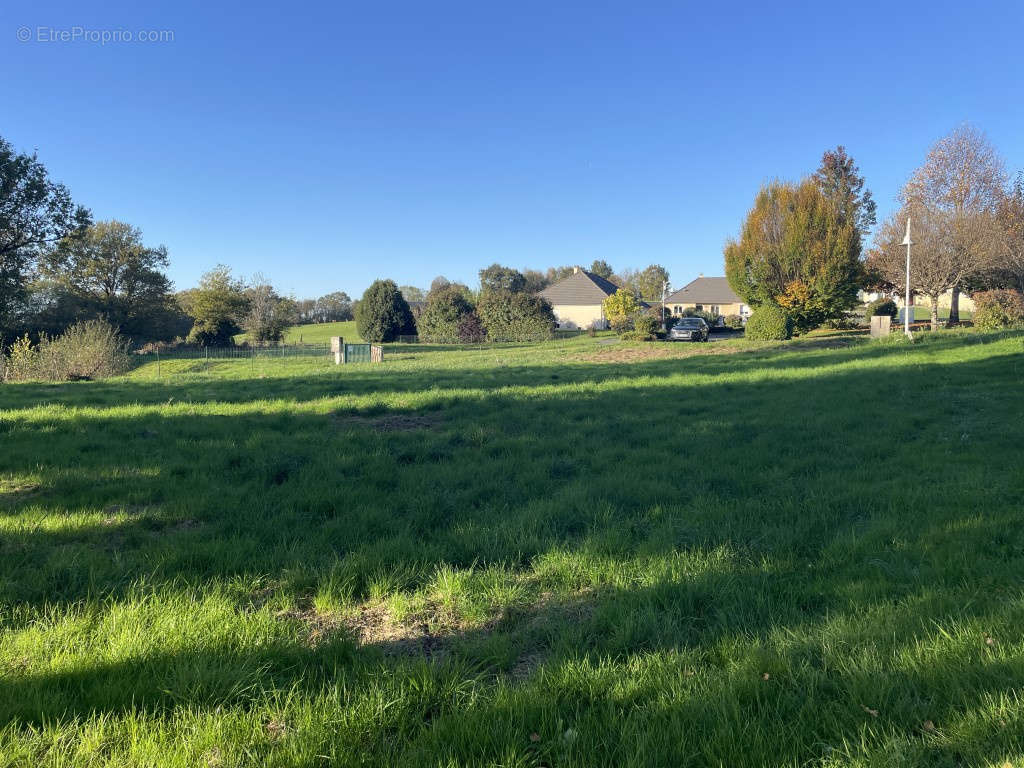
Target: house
708	294
578	299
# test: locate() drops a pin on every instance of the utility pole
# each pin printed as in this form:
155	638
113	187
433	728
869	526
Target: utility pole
906	305
664	294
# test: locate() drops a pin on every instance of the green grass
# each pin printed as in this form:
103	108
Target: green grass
316	333
568	554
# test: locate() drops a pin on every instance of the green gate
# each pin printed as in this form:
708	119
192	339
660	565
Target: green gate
356	353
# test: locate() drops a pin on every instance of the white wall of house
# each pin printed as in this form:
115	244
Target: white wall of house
579	316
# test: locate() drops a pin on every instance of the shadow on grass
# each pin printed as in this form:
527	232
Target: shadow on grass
826	498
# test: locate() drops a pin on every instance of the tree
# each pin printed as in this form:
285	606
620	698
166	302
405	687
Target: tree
1009	265
534	281
107	271
499	278
35	213
441	317
217	306
554	274
649	282
268	315
515	316
962	181
412	293
842	184
621	309
798	250
333	308
936	266
382	314
438	282
602	268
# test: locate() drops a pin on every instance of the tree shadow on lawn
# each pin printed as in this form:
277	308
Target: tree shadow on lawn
818	519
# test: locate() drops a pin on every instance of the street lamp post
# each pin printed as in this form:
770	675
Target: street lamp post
906	305
664	295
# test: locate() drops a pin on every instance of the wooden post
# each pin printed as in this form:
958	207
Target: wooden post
338	349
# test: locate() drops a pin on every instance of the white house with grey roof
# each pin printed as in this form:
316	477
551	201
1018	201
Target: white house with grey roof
708	294
578	299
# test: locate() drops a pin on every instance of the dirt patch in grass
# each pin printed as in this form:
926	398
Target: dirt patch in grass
637	353
12	493
391	422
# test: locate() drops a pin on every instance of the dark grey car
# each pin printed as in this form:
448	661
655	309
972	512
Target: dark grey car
689	329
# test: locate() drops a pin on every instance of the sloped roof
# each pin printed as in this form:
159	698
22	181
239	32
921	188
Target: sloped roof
579	288
705	290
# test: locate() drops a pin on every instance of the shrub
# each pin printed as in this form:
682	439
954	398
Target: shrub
440	320
879	308
471	329
635	336
516	316
92	349
769	323
709	317
645	325
383	314
621	309
1000	308
734	321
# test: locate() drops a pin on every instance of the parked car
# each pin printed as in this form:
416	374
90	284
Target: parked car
689	329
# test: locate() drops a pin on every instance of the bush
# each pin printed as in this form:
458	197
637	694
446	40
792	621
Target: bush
1001	308
621	309
635	336
880	308
440	320
383	314
516	316
769	323
734	321
88	350
709	317
645	325
471	329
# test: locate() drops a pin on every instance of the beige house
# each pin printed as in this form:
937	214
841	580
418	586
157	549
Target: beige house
708	294
578	299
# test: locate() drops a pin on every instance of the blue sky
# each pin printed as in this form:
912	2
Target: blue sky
328	144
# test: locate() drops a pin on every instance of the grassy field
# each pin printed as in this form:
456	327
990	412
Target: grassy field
578	553
317	333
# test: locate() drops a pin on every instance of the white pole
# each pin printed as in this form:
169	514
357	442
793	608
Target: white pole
906	305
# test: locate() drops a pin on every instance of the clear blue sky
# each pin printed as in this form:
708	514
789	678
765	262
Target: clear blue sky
328	144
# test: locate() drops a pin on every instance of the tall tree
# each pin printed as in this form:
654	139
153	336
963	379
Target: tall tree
602	268
382	313
554	274
1010	214
499	278
936	265
534	281
962	180
217	306
268	314
333	307
107	271
649	281
35	213
841	183
797	250
412	293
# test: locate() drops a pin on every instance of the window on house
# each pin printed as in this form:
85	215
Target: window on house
714	309
699	307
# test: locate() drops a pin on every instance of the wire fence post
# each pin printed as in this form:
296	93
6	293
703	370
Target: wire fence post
158	362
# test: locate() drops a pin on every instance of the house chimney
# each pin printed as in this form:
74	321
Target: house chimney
575	270
700	274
